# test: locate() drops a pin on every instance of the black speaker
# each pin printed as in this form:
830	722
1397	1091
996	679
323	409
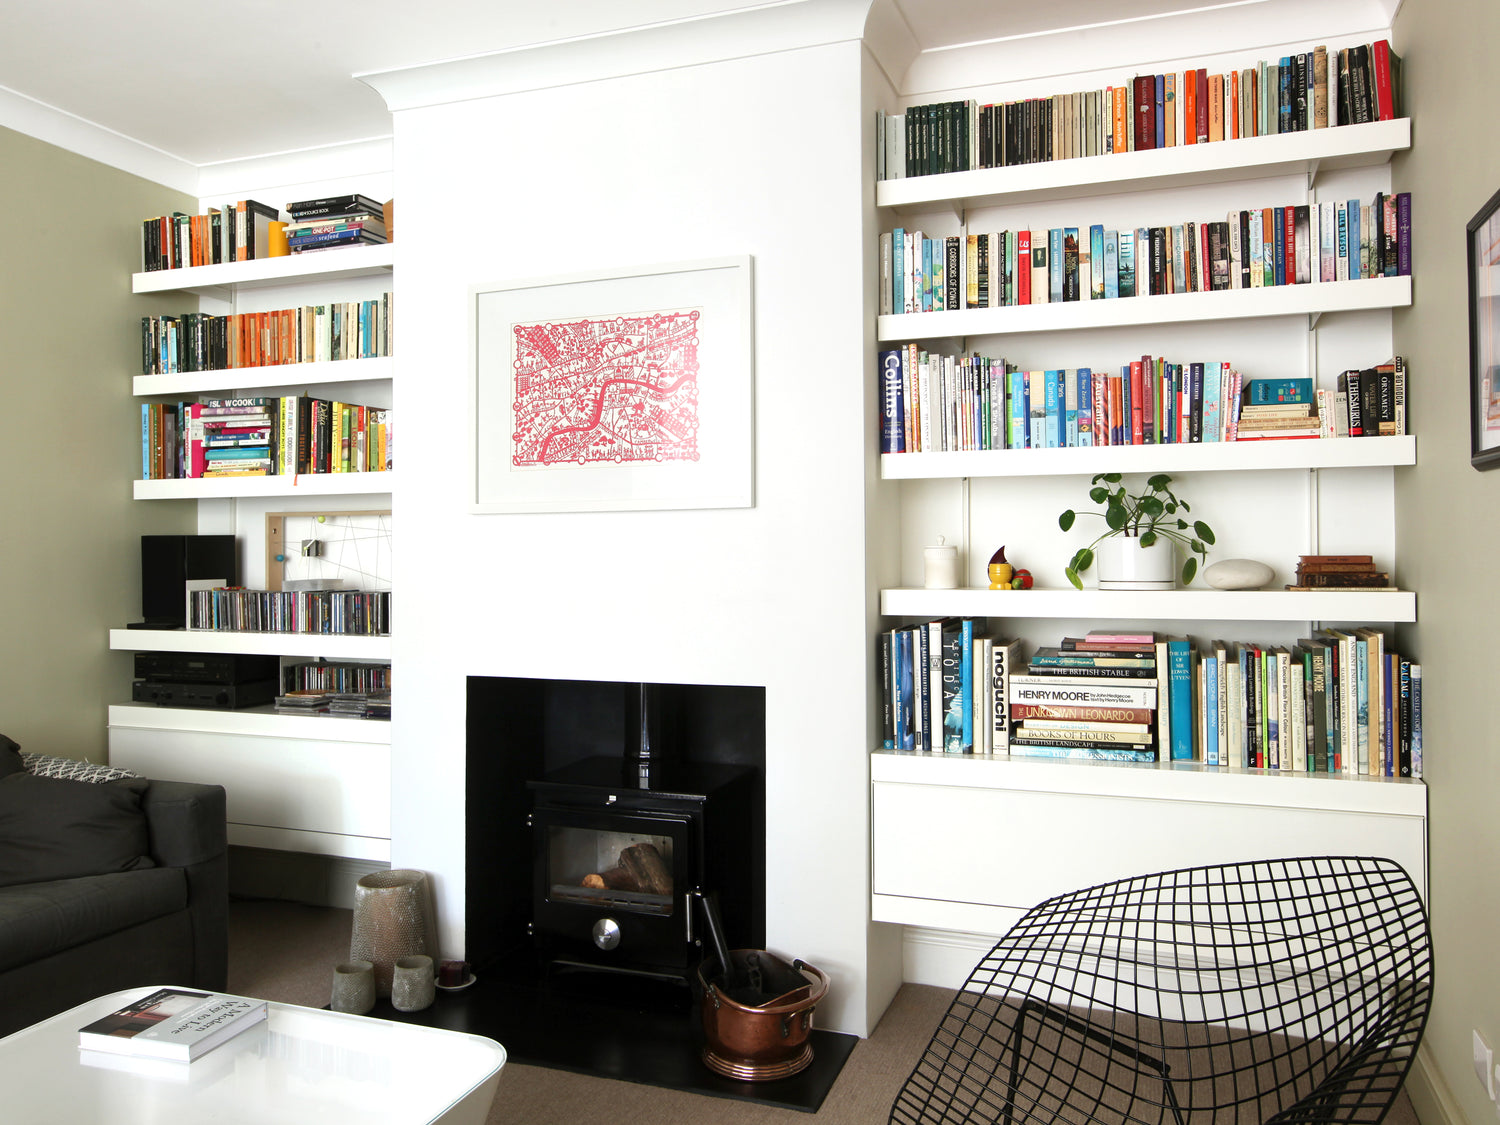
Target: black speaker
168	562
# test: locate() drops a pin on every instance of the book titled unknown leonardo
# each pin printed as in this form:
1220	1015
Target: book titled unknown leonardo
172	1023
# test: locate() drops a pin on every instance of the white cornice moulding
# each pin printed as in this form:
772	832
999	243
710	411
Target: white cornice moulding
786	26
76	135
1150	45
890	40
354	160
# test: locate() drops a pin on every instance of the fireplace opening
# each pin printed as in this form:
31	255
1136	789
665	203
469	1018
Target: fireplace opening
596	809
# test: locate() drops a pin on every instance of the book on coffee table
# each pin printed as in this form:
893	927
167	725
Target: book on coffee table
172	1023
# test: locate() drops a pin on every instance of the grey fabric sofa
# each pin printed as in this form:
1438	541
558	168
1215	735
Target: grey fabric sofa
162	919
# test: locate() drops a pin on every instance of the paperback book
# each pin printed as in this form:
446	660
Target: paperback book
172	1023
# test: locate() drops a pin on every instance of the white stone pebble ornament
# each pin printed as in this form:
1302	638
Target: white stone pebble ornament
1237	574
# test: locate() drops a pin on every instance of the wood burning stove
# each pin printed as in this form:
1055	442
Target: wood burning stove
620	845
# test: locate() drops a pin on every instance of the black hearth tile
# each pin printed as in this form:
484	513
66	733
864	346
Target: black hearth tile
633	1031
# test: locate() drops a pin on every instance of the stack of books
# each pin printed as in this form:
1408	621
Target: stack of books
340	220
1089	697
1323	572
1278	408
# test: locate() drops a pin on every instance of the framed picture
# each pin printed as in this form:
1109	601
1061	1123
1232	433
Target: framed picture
1484	336
614	391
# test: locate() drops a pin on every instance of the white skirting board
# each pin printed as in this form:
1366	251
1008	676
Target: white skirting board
317	880
1430	1096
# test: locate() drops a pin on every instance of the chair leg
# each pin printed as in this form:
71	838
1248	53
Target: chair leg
1109	1042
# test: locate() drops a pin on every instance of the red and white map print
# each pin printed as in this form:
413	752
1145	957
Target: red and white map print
612	390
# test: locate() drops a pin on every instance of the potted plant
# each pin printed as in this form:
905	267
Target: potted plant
1141	529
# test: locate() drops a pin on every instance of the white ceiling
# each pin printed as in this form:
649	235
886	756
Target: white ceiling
208	81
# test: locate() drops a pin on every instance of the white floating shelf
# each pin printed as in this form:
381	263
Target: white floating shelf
280	375
322	265
1166	781
1157	605
259	721
1229	304
1321	453
304	484
264	644
1304	154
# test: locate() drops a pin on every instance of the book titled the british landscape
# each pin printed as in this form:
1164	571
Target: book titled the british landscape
172	1023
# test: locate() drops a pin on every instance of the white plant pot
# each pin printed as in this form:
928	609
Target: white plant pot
1123	564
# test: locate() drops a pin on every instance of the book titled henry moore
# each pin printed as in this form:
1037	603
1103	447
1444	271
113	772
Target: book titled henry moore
172	1023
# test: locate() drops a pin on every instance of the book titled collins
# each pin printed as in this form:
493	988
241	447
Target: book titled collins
172	1023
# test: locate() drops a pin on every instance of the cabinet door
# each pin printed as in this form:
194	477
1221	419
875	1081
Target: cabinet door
290	794
1005	848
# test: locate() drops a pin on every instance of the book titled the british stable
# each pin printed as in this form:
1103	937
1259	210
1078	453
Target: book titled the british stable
172	1023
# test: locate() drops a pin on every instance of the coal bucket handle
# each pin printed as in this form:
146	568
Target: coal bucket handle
710	903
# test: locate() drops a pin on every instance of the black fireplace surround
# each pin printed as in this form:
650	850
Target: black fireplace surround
596	809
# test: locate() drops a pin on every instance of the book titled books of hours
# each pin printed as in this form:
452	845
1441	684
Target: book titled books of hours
172	1023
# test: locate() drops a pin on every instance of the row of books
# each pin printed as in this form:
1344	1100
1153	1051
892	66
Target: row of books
962	403
365	613
263	436
246	230
345	704
323	676
235	232
1339	702
1336	240
1317	89
188	342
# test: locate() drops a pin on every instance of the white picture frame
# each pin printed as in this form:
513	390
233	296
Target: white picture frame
614	390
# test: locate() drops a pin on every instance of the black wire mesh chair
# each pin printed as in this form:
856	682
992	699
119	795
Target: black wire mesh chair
1260	993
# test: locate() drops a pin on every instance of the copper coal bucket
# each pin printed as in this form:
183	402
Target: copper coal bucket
757	1044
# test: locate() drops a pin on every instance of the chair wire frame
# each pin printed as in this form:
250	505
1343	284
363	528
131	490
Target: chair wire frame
1270	992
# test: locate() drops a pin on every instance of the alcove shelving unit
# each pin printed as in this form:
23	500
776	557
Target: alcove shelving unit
1013	830
306	783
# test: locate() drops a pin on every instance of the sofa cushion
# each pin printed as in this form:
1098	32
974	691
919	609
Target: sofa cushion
55	829
40	919
10	757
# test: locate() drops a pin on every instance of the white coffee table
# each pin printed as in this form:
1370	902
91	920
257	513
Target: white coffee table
301	1066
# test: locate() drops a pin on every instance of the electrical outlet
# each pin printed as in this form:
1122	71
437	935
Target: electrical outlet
1484	1064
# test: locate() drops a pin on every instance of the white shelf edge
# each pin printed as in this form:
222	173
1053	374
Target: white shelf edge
1347	146
265	644
350	261
1167	781
941	914
303	484
255	721
1186	457
1315	299
280	375
1156	605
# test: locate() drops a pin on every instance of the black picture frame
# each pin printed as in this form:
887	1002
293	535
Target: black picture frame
1484	336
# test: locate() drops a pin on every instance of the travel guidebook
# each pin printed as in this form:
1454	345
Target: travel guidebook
172	1023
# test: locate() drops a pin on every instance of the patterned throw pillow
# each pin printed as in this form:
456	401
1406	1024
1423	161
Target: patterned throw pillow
71	769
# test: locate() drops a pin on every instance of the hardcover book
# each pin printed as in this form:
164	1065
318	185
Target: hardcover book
172	1023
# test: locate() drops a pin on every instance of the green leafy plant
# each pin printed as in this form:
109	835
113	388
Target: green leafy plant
1149	515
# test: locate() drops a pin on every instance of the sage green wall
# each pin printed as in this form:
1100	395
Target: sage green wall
69	439
1447	532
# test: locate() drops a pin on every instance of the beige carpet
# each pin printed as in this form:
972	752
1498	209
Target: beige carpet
284	951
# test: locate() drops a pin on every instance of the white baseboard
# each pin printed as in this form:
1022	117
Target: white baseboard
1430	1096
318	880
944	958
